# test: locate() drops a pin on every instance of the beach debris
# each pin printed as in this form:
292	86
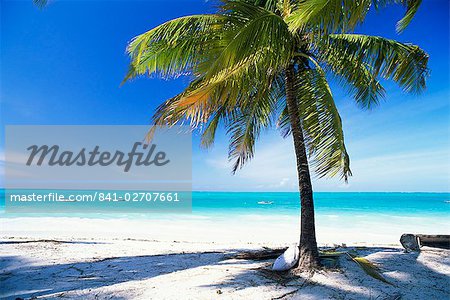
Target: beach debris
370	268
330	258
343	245
409	242
287	260
413	242
286	294
38	241
436	241
264	254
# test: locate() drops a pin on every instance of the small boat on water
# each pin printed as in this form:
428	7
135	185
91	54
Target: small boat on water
265	202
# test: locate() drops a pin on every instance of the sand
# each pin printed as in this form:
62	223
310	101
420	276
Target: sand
72	258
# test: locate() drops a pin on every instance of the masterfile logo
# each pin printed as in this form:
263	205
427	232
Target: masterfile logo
147	157
98	165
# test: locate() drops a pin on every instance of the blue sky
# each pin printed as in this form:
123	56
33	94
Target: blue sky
64	64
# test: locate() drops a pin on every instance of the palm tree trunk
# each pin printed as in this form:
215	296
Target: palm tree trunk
309	254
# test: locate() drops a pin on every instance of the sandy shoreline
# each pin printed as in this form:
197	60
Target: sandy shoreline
270	230
104	259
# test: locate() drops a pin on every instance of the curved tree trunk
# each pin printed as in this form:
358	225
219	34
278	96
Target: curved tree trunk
309	254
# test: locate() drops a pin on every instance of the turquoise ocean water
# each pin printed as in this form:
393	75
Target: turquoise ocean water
430	205
375	217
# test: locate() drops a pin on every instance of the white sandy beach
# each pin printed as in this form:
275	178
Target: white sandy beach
177	150
45	258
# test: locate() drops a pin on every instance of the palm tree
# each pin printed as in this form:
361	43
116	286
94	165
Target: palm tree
259	63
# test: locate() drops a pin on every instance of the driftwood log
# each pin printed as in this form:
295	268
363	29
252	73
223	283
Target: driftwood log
436	241
413	242
263	254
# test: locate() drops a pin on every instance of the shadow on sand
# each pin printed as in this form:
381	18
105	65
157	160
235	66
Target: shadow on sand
57	278
20	279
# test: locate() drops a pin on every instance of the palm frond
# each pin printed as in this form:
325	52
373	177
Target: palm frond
354	74
271	5
244	112
175	47
227	112
333	16
254	33
368	267
283	122
194	112
412	6
245	127
328	16
321	124
209	133
406	64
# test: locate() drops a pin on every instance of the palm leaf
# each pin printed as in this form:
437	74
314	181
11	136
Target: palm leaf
406	64
333	16
254	34
247	122
175	47
321	124
370	268
328	16
412	6
354	74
